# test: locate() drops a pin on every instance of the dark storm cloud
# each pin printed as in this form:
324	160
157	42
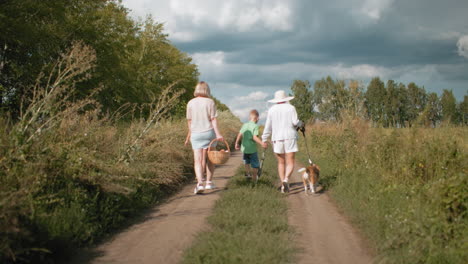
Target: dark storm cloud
328	32
395	39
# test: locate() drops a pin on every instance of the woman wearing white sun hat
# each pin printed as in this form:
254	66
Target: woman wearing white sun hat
281	125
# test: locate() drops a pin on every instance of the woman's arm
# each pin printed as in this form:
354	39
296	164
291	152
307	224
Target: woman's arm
187	139
294	118
214	121
266	132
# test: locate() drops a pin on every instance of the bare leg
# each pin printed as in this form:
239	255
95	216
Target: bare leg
210	168
281	165
198	157
254	174
289	165
204	158
247	169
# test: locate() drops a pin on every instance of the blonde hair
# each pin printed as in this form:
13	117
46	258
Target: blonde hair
202	89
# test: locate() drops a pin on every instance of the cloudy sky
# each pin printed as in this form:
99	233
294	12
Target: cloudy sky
247	49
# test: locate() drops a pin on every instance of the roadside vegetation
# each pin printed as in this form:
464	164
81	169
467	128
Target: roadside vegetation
249	224
92	107
70	173
407	189
394	157
75	175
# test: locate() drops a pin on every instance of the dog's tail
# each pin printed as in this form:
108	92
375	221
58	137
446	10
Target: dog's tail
304	173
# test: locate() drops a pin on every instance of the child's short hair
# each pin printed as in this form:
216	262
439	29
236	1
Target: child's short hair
202	89
254	112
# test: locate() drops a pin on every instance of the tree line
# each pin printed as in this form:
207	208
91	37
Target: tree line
135	60
389	104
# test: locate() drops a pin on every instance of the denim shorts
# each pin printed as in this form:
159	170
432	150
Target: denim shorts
201	140
252	160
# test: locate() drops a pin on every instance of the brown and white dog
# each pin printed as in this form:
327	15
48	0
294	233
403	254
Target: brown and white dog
310	176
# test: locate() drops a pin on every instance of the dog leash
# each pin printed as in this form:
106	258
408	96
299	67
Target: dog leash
262	160
307	147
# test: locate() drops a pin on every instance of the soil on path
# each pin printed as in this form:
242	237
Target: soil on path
168	229
323	234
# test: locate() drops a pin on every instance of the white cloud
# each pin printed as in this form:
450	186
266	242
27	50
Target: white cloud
243	98
370	10
374	8
242	114
182	17
255	96
462	45
213	58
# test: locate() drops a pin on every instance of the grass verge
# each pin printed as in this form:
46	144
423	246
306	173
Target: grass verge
407	189
249	224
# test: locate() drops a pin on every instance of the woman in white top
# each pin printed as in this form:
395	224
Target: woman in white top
281	125
203	128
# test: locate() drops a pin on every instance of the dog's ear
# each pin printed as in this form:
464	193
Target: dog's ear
317	167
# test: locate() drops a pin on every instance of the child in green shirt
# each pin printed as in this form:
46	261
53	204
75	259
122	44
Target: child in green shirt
249	136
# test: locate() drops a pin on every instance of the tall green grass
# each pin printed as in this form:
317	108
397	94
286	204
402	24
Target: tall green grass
70	187
249	224
69	174
406	188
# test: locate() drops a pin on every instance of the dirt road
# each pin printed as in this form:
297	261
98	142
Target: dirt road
168	229
323	234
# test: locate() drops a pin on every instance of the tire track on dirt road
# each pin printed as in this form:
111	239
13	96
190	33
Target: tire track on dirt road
168	229
323	235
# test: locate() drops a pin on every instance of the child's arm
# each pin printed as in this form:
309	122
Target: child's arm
239	136
258	140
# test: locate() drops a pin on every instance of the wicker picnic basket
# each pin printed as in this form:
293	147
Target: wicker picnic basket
219	157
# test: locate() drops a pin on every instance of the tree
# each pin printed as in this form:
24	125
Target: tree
302	99
135	61
391	104
32	35
331	98
463	111
448	106
402	109
355	105
431	115
416	102
375	98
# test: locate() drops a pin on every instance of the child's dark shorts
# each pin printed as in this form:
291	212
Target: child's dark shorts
252	160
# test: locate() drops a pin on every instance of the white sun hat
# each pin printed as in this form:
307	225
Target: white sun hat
280	96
